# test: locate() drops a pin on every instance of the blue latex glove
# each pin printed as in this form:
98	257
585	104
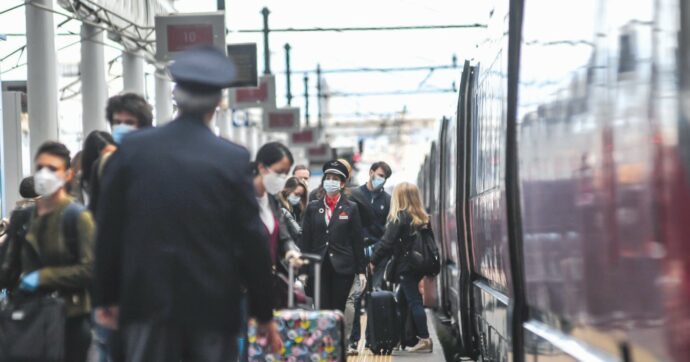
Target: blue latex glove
30	281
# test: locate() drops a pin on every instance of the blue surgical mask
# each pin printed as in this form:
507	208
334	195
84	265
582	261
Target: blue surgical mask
331	186
378	182
294	200
120	130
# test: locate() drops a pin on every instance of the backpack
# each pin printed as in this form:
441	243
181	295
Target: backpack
423	255
10	253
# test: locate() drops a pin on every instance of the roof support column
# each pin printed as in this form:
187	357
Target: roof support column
94	89
42	74
163	98
133	73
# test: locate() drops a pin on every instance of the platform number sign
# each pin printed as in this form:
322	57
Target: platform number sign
179	32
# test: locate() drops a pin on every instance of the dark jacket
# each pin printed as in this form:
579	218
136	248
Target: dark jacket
340	240
291	224
285	240
396	242
378	205
43	247
179	231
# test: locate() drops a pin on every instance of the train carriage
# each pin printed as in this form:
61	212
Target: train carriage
560	189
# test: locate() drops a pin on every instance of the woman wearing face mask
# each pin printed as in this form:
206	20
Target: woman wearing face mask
293	200
332	228
273	161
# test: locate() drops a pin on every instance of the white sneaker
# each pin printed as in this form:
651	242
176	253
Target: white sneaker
425	345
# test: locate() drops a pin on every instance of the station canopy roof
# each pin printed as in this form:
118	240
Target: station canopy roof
130	22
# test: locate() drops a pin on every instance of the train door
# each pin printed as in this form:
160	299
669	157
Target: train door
462	186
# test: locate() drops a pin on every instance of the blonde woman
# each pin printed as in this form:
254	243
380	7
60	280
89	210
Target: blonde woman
406	216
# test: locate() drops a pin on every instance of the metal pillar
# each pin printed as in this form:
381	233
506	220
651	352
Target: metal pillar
267	49
12	160
288	74
306	99
163	98
93	85
223	123
42	74
318	95
133	73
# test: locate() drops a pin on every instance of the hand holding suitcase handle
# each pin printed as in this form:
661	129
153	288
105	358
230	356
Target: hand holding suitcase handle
316	259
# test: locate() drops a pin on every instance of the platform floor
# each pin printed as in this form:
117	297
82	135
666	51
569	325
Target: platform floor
437	356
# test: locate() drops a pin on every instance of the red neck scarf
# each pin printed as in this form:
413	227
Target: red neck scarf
331	201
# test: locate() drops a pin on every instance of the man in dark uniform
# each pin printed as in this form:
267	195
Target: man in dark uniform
179	232
378	202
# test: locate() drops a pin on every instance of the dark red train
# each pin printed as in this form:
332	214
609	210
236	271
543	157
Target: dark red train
560	190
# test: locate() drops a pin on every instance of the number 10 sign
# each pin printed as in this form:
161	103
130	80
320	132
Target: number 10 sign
176	33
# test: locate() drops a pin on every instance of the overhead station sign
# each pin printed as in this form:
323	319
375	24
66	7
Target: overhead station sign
306	137
281	119
319	154
178	32
263	96
245	58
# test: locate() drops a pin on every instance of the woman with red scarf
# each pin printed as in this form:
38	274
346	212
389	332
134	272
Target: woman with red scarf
332	228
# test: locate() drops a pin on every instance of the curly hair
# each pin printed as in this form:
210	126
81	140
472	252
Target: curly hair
130	103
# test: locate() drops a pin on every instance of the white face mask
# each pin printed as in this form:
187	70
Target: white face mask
47	182
274	182
331	186
294	200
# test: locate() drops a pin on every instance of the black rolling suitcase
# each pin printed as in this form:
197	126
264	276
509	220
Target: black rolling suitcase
383	322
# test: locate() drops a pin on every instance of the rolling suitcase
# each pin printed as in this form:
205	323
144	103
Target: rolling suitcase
308	335
383	322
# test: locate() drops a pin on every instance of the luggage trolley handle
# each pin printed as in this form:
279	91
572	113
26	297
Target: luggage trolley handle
316	260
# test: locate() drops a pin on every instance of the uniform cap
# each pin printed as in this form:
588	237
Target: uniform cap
336	167
203	69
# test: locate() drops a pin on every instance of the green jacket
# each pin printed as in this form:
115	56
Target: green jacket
46	250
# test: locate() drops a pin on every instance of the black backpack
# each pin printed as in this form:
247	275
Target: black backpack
423	255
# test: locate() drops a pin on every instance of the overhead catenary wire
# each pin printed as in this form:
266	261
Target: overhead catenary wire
366	28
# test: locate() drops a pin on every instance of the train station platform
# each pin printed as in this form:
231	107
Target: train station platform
365	355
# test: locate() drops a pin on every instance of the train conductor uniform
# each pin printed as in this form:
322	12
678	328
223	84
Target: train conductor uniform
179	232
332	228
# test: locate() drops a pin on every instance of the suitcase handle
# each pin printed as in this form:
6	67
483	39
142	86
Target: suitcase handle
316	259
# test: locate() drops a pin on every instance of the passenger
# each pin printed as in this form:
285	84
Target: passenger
73	188
319	192
126	112
332	228
273	161
293	202
179	231
377	201
406	216
98	146
302	173
56	254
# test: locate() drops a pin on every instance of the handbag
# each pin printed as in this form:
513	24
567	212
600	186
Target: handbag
32	328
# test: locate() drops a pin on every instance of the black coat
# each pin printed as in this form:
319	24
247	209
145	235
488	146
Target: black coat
179	231
341	239
286	241
396	242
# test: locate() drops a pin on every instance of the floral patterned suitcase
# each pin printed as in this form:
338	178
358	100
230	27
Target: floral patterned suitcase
308	335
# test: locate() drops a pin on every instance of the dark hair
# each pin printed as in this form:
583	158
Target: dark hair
273	152
130	103
94	143
290	185
300	167
26	188
386	169
254	168
56	149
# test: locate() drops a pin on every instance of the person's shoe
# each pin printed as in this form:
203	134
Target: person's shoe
425	345
352	350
